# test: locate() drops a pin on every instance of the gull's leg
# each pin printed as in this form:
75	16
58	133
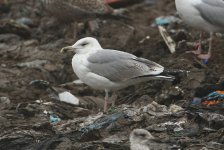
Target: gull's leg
75	30
106	100
93	25
208	55
71	31
198	51
113	98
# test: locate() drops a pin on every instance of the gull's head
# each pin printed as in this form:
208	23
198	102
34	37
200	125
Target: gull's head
140	136
84	45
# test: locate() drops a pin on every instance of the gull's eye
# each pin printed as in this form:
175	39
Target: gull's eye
142	135
84	44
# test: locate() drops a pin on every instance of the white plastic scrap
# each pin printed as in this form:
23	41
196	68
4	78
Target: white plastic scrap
167	38
68	98
175	108
177	124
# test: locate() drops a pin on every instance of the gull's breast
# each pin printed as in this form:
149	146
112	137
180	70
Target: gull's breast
80	67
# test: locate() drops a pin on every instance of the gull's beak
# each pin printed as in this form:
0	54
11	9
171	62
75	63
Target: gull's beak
66	49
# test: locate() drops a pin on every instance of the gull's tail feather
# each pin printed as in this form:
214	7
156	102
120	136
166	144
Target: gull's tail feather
170	75
165	77
157	77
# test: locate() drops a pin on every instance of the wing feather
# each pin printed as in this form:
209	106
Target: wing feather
119	66
213	12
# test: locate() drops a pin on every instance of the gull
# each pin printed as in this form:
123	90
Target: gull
204	15
69	11
111	70
141	139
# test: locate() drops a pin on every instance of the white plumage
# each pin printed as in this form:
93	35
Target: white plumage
108	70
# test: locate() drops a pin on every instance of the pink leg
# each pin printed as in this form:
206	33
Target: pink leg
114	98
208	55
198	51
93	25
106	101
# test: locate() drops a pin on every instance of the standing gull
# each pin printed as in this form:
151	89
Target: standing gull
69	11
207	15
111	70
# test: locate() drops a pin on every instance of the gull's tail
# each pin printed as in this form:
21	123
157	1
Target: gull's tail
114	17
157	77
169	75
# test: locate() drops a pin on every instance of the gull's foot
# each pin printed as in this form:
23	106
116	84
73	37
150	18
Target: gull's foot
204	57
198	51
93	26
105	107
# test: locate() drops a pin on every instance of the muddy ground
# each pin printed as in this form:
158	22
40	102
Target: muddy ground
30	51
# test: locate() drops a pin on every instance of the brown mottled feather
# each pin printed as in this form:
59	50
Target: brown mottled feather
77	10
97	6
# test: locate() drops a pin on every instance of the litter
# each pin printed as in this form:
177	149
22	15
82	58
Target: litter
167	38
54	119
68	98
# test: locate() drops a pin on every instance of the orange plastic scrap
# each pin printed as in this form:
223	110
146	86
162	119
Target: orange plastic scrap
209	103
220	92
213	98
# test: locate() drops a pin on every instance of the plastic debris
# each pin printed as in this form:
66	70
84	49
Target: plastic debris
210	95
105	122
175	126
215	95
162	21
213	99
68	98
196	101
54	119
165	20
175	108
167	38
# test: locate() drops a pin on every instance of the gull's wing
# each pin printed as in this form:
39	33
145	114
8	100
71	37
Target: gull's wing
68	11
119	66
65	11
212	11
